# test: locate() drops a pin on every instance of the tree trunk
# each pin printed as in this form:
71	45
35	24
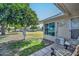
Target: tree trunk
24	34
2	29
15	29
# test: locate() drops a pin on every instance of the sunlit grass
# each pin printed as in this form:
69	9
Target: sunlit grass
26	47
38	34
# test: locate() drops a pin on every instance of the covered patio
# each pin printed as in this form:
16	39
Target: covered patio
65	30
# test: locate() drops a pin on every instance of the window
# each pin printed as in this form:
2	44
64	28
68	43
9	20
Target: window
50	29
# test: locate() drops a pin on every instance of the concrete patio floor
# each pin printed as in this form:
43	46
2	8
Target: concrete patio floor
43	52
59	51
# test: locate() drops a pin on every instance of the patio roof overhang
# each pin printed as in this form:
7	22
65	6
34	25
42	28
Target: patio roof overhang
72	9
69	10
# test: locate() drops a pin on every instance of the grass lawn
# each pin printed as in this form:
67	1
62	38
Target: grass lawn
17	35
22	47
26	47
37	34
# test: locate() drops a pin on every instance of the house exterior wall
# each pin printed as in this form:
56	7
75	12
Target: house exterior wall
65	27
62	29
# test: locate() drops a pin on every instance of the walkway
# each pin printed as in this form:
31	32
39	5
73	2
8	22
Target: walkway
43	52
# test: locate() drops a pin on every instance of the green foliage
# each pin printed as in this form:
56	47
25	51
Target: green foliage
31	50
33	27
30	46
17	15
19	44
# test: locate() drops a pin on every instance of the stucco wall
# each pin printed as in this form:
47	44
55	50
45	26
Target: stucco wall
51	38
63	28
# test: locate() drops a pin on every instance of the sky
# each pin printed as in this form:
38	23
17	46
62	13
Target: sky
44	10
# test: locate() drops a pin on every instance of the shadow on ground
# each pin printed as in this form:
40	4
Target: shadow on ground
6	48
11	48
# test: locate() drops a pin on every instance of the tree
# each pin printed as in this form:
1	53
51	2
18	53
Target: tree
25	16
3	17
17	15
